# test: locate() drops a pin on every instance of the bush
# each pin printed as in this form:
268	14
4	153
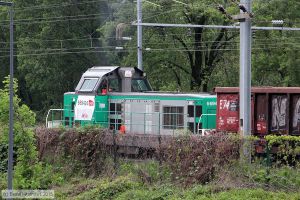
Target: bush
28	171
81	150
254	194
258	175
147	172
286	148
193	159
108	189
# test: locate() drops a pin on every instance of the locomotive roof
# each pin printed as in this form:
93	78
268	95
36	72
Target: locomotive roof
99	71
166	94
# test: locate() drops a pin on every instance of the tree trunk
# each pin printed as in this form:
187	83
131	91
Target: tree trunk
198	62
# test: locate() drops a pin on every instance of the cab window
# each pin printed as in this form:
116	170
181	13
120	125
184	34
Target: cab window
88	84
114	85
140	85
103	87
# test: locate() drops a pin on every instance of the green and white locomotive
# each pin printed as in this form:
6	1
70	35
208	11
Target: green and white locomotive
122	99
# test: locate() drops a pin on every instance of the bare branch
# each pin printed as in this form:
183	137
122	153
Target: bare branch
178	66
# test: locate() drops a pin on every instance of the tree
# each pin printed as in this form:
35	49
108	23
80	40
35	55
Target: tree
276	56
58	47
4	44
186	54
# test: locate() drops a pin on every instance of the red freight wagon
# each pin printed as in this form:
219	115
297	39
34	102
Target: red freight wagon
274	110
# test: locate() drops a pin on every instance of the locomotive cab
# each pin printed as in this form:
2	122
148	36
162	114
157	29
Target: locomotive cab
89	104
102	80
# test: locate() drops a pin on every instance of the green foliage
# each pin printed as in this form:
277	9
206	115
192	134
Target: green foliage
3	182
63	47
3	156
258	175
156	193
273	139
276	59
124	188
253	195
284	177
287	147
78	188
109	189
24	119
29	173
179	59
148	172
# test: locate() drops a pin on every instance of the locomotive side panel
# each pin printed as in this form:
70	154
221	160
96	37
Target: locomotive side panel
140	116
70	100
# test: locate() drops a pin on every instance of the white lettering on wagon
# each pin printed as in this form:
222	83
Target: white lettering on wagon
230	105
279	112
296	118
84	108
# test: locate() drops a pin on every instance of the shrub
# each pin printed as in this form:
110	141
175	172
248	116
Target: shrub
107	189
28	171
193	159
83	149
286	148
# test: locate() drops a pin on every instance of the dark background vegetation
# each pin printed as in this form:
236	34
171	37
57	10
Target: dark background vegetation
56	41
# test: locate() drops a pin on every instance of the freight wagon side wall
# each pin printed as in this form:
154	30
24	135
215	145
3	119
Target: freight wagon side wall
273	111
227	112
284	113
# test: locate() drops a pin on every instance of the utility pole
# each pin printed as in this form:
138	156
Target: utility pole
245	68
11	96
245	75
139	35
11	101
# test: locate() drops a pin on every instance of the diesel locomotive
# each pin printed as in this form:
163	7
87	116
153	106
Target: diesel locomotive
121	98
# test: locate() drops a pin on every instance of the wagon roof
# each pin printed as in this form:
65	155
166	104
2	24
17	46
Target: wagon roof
274	90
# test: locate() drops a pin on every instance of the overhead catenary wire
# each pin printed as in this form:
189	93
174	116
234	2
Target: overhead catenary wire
132	49
88	38
25	20
57	19
30	8
61	45
60	5
291	44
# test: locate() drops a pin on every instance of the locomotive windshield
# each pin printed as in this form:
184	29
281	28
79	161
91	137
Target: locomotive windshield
88	84
114	85
140	85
